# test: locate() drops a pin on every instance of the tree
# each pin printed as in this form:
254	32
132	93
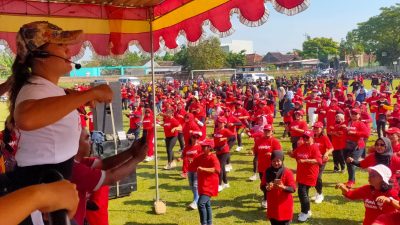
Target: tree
381	35
320	48
351	46
181	58
208	54
128	59
6	61
236	59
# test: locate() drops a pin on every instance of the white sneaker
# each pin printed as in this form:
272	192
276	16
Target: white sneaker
220	188
264	204
238	148
226	185
253	178
193	205
149	158
314	197
228	167
304	217
319	198
173	164
167	167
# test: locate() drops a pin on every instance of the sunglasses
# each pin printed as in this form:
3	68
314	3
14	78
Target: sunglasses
380	145
306	137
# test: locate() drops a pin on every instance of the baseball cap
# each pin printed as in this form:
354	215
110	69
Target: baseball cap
318	125
334	100
300	112
393	130
222	119
207	142
196	133
356	110
383	170
308	133
32	36
268	127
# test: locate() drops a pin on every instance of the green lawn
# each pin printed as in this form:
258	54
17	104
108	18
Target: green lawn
239	204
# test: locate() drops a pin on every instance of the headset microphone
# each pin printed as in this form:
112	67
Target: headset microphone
77	65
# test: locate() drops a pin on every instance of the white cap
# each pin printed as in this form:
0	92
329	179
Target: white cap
384	171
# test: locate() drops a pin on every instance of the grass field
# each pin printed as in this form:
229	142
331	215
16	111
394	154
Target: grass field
239	204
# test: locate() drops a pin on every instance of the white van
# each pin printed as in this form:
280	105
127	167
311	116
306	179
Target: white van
133	80
253	77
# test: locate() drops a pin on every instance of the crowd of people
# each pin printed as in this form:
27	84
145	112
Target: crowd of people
321	116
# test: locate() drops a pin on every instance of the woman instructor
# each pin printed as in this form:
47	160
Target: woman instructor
45	117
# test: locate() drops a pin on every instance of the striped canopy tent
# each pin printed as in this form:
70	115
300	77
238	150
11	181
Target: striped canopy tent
110	26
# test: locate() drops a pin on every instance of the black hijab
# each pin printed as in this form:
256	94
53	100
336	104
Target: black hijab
385	157
275	173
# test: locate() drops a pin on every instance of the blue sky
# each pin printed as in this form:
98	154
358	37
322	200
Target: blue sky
323	18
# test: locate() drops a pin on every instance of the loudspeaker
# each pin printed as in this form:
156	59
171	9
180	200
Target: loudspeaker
102	113
127	185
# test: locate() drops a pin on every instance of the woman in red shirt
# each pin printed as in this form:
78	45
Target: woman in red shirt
190	152
222	138
171	128
280	184
208	169
297	128
338	136
356	133
393	135
379	185
148	127
263	148
325	148
308	159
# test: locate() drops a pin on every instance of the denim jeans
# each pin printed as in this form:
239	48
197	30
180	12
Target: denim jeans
192	176
373	115
204	207
304	199
135	132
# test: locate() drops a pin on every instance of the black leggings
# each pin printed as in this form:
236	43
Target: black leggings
338	160
279	222
264	190
255	164
170	143
239	139
181	141
304	199
318	187
223	158
381	128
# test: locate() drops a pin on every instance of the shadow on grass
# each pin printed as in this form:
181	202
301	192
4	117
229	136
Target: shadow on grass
149	203
328	221
163	223
246	217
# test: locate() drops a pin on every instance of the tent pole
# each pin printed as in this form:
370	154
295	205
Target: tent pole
153	89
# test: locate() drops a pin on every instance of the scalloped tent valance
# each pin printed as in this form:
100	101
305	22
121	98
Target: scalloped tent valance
111	28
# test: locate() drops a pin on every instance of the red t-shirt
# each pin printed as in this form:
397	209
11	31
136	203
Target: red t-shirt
280	202
361	131
189	153
263	148
307	173
373	209
87	179
300	124
207	182
100	216
134	119
218	134
339	138
324	143
392	218
169	124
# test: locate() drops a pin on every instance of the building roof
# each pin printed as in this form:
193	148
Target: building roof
279	58
253	59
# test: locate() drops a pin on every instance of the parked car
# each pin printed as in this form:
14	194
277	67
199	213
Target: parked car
133	80
252	77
